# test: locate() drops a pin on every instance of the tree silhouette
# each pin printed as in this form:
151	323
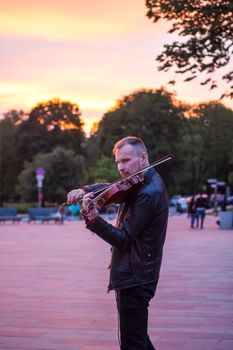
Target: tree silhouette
51	124
206	45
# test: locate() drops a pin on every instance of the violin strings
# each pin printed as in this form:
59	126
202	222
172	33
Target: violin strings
155	163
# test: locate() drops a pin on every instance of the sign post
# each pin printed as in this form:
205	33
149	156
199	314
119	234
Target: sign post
40	178
214	184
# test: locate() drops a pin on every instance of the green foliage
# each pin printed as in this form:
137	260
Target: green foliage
20	207
207	28
64	170
104	171
149	114
218	138
200	137
167	126
8	153
192	168
50	124
230	179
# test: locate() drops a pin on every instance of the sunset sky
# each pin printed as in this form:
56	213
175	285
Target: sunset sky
88	52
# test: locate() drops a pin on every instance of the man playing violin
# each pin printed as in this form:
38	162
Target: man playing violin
137	240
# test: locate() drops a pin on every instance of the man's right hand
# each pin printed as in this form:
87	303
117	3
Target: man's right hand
75	196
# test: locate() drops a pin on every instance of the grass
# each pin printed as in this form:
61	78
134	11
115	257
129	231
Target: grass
20	207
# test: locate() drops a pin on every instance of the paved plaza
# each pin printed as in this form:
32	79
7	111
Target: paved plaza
53	289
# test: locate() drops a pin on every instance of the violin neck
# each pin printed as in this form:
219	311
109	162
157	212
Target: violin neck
152	165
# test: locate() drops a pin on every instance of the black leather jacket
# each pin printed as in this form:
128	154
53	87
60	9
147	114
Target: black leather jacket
137	244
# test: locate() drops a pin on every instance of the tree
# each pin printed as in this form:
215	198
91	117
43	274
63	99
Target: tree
208	27
64	170
149	114
217	120
206	145
230	179
153	115
103	171
8	153
200	137
16	117
195	157
51	124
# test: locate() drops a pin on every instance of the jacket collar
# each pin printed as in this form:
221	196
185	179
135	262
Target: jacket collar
149	174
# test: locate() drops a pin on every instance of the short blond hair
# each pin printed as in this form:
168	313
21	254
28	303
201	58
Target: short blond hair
133	141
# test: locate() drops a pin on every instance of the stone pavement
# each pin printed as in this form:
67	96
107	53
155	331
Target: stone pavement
53	282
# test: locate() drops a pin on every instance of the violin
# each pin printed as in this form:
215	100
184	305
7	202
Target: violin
117	191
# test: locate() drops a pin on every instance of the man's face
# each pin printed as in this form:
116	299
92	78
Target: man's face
128	160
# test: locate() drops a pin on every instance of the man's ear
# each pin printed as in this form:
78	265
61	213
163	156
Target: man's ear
144	158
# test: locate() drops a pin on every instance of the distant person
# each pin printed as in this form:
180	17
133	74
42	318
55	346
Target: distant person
201	205
74	209
192	212
224	203
61	213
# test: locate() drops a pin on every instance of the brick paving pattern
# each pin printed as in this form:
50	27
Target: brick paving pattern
53	282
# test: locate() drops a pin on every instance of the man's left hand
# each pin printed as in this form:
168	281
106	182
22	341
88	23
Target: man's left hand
89	208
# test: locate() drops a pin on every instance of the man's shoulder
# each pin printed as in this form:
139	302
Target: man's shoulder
154	182
152	185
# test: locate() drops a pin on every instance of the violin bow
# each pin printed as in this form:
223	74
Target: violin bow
152	165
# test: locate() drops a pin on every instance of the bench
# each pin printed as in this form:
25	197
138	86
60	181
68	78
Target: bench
43	215
9	214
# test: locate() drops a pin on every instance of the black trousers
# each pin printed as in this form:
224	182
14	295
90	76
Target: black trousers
132	306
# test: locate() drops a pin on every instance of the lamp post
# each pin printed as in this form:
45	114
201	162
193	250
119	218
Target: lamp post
211	124
214	184
40	178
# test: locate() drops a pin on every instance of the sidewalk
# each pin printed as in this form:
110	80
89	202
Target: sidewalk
53	282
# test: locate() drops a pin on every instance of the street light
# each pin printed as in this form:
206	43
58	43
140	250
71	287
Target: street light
40	178
211	124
